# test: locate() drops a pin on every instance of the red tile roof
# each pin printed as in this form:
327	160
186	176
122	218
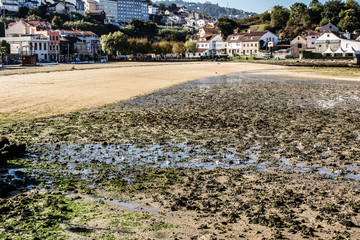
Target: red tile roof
207	38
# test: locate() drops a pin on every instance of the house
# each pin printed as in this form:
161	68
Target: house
334	44
311	39
202	22
153	10
297	45
90	40
37	36
30	3
207	29
330	41
234	44
329	27
252	42
11	6
98	15
210	45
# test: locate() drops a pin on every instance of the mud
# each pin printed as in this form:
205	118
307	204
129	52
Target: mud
235	157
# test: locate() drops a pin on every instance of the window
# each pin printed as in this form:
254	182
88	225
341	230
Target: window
44	46
299	45
40	47
35	46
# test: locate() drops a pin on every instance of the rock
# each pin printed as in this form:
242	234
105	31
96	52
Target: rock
3	142
3	161
8	151
5	189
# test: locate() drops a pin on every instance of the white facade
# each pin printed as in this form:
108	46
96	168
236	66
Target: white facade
202	22
32	44
311	41
129	9
211	45
10	5
30	3
109	6
153	10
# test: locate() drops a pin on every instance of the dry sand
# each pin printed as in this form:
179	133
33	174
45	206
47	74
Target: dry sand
49	90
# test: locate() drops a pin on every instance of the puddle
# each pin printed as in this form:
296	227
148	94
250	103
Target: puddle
89	161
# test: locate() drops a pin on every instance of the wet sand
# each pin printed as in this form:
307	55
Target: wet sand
32	92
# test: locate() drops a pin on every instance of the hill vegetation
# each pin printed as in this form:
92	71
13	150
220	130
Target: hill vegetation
288	23
208	8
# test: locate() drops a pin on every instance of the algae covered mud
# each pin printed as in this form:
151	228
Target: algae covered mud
232	157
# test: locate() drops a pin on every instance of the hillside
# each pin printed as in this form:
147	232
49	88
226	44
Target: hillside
213	10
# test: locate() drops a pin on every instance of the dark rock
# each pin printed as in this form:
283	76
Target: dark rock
3	142
3	161
6	189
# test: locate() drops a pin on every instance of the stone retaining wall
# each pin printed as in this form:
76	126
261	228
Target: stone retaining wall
315	62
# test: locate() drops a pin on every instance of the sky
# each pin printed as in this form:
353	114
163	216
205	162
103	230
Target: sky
258	6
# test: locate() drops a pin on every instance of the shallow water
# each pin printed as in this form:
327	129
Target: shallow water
89	160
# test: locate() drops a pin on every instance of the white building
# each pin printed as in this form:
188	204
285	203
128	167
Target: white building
311	39
9	5
129	9
29	45
234	45
109	6
153	10
91	39
210	45
30	3
249	44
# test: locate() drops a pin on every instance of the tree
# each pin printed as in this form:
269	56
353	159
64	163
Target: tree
299	15
141	29
226	26
191	46
57	22
142	46
114	43
265	17
349	20
332	9
163	47
23	12
279	17
40	11
315	8
179	48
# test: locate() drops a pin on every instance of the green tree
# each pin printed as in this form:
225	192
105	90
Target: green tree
299	15
23	12
57	22
141	29
191	46
115	43
349	20
226	26
315	8
332	9
265	17
139	46
279	17
179	48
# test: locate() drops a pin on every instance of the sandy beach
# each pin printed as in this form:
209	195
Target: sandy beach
30	92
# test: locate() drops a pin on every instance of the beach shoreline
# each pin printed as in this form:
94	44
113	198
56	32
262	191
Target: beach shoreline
42	91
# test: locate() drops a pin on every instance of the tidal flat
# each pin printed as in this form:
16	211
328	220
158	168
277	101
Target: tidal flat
229	157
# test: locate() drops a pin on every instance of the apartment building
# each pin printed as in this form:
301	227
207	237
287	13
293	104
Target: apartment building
129	9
